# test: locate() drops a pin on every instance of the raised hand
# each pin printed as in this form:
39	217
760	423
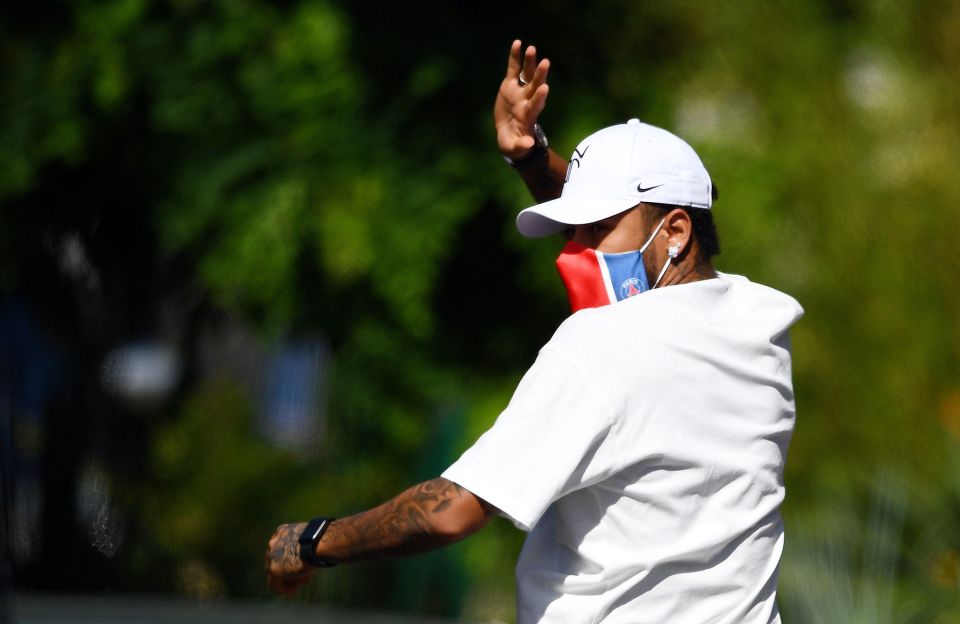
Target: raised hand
520	100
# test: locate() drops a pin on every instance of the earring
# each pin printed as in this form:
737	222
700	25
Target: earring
673	251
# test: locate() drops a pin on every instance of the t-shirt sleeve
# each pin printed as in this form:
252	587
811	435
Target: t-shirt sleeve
555	436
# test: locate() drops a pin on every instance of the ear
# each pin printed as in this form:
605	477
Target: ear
678	229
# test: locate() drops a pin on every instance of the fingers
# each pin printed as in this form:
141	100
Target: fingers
284	580
529	64
287	585
538	100
285	570
524	66
513	61
540	74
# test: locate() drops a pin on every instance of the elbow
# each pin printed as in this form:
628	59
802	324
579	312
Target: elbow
463	520
448	530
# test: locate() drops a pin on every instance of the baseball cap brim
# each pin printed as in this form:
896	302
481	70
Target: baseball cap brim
559	214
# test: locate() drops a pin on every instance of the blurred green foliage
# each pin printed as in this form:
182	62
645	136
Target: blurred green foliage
324	166
219	483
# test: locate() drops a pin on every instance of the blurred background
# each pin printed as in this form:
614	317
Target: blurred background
258	263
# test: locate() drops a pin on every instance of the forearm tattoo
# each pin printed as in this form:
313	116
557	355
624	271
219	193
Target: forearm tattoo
405	525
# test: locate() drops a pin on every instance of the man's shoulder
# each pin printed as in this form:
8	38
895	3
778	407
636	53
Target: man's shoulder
754	300
602	332
649	320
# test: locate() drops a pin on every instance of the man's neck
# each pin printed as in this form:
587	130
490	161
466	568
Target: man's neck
689	270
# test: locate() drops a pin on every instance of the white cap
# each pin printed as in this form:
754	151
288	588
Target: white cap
615	169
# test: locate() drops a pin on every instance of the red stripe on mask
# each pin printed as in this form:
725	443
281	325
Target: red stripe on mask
579	269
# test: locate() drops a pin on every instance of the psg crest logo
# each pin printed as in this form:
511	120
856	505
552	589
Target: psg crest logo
630	288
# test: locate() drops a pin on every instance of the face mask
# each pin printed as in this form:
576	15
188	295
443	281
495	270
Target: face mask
594	278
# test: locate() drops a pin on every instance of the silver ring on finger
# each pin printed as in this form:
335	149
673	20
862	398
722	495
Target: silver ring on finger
523	81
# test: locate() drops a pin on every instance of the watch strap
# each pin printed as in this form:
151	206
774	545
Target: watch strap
308	542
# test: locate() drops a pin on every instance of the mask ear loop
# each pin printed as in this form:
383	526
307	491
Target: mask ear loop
650	240
666	265
673	251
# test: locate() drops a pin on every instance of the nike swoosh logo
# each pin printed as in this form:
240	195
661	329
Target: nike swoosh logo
640	188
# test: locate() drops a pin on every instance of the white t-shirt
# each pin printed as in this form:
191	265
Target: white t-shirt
644	453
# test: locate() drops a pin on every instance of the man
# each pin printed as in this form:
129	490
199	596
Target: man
644	449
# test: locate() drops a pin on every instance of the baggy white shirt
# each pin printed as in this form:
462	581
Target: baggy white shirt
644	453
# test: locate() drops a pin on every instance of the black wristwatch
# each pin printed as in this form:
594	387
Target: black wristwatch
540	145
308	542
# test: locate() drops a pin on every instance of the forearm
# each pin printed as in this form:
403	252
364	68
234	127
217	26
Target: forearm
426	516
545	177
